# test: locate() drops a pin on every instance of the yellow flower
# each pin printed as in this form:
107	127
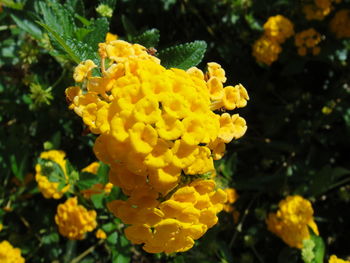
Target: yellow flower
266	50
74	220
308	40
143	137
215	70
155	126
216	89
292	220
335	259
340	24
278	28
147	110
232	196
1	227
164	179
47	188
110	37
9	254
169	128
83	70
100	234
183	153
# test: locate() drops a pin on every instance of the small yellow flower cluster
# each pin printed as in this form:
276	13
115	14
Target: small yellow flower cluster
291	222
174	224
1	227
9	254
335	259
276	31
74	220
47	188
156	127
100	234
319	9
340	24
308	40
97	188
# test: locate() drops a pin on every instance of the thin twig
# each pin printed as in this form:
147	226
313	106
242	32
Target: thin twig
240	225
86	252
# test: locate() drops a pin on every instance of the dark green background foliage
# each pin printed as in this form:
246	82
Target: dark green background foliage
291	147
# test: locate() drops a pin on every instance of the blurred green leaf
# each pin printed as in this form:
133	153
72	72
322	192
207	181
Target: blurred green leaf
97	200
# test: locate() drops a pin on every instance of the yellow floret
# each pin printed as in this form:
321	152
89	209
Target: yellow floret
83	70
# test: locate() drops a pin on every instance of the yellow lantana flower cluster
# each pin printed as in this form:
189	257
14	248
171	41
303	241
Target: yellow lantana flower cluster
97	188
9	254
73	220
158	126
318	9
47	188
277	30
340	24
308	40
335	259
174	224
291	221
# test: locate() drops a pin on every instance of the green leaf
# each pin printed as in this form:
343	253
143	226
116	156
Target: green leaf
75	6
102	173
82	50
58	18
87	180
319	249
27	25
97	200
52	170
149	38
50	238
63	43
183	56
113	238
97	32
128	27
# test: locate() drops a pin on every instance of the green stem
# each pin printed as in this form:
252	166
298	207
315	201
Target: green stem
70	251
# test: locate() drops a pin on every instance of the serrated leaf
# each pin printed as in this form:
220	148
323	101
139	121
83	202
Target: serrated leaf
82	50
75	6
62	43
97	32
149	38
183	56
58	18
